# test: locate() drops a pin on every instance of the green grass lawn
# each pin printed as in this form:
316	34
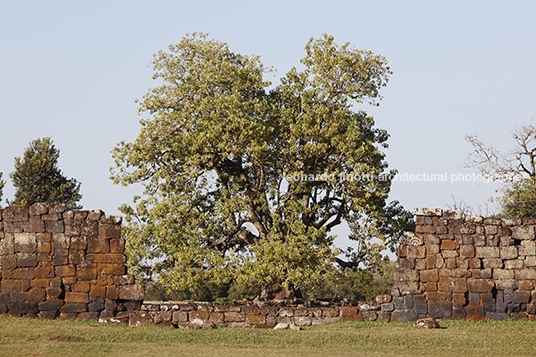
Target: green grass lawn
33	337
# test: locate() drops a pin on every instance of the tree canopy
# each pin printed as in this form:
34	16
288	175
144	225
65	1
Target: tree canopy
516	169
37	177
245	180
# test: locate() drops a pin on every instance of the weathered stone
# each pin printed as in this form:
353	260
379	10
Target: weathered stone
403	315
523	232
515	264
503	274
15	214
138	319
527	248
428	212
480	285
416	252
509	252
525	274
429	275
487	252
426	323
492	263
132	292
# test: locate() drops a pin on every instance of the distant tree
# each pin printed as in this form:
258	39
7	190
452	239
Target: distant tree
516	169
2	184
37	177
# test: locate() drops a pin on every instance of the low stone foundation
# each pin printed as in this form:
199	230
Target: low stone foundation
188	314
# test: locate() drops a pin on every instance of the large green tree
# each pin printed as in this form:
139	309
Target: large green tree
37	177
244	180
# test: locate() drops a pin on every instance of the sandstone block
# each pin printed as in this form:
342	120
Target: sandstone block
107	231
132	292
54	227
429	275
428	212
26	260
503	274
25	242
527	248
525	274
72	307
480	285
487	252
111	269
15	214
509	252
65	270
369	316
523	232
38	209
137	319
76	297
86	272
261	319
416	252
234	317
180	316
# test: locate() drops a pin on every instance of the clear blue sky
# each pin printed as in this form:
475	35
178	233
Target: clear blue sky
71	70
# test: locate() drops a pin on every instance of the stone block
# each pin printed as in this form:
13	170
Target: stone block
79	242
349	311
111	269
526	285
54	227
329	312
428	212
497	315
38	209
404	315
387	307
407	287
180	316
515	264
161	316
503	274
452	214
65	270
26	260
137	319
369	316
75	297
261	319
467	251
525	274
527	248
25	242
516	297
431	239
234	317
523	232
73	307
509	252
432	249
132	292
504	231
382	299
117	245
15	214
61	241
487	252
480	285
492	263
35	225
416	252
98	245
408	275
108	231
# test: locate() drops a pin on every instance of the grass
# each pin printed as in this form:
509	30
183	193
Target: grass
33	337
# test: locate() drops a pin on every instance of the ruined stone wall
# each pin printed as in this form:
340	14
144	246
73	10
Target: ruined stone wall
188	314
67	264
457	266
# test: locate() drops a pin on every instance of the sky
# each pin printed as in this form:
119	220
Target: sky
71	71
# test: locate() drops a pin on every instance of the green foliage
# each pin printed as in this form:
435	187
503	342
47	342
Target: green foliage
37	177
2	184
357	285
519	199
222	160
225	294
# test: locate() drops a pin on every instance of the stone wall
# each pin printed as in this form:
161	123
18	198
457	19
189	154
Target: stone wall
457	266
67	264
188	314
